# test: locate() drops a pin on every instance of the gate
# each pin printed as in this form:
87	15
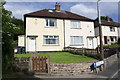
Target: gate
40	64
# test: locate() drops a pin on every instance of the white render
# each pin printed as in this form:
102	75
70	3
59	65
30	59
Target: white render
35	27
86	30
119	32
106	32
21	40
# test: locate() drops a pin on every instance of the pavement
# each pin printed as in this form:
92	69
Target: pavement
111	71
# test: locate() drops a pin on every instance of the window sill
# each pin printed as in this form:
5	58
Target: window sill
50	27
112	31
51	45
76	44
75	28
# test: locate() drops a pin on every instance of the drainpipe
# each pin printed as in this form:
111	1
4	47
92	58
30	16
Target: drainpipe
25	33
64	31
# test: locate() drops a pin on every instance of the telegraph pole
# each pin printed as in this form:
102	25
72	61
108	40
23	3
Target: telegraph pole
100	31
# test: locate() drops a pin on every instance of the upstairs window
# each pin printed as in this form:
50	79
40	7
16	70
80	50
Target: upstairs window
76	40
112	29
50	23
113	39
75	24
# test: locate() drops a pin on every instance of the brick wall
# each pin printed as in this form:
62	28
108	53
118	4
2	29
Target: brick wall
70	69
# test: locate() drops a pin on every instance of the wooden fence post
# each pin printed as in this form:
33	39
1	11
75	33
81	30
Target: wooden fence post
20	63
30	64
48	64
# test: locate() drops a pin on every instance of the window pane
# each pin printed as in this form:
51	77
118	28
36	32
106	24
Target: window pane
50	37
112	39
47	41
76	40
56	37
45	37
75	24
52	41
81	40
47	22
52	22
112	29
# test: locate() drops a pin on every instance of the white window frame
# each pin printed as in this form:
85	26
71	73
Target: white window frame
49	37
112	29
48	25
72	40
73	22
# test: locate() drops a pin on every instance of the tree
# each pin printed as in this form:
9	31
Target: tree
105	18
10	27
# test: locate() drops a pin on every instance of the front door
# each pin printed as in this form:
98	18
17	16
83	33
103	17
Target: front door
90	43
105	39
31	43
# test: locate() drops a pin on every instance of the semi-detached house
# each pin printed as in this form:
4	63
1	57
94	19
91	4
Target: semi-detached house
54	29
110	31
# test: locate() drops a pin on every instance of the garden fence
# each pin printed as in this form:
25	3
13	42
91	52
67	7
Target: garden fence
107	51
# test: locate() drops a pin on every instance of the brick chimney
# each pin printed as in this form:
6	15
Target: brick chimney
57	6
108	18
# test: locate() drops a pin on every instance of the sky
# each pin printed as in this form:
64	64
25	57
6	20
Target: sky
87	9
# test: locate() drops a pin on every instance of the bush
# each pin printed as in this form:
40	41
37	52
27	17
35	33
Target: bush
15	69
96	56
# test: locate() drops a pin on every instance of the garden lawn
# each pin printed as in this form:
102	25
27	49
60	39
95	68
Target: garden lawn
21	55
66	57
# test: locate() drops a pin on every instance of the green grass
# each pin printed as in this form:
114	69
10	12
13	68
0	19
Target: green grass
65	57
21	55
112	46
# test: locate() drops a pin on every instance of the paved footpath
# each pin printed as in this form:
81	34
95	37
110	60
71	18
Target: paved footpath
110	71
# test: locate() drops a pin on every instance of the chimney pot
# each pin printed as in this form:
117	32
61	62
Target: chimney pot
108	18
57	6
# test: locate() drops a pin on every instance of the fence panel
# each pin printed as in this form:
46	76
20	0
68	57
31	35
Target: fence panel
81	50
107	51
39	64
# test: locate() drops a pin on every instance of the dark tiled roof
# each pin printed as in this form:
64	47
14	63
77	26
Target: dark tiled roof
60	15
106	23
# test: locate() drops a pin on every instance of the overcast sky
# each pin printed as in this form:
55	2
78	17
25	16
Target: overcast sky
87	9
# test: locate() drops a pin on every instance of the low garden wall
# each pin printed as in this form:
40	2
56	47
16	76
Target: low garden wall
78	68
70	69
110	60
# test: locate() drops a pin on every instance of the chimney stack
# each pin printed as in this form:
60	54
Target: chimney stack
108	18
57	6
